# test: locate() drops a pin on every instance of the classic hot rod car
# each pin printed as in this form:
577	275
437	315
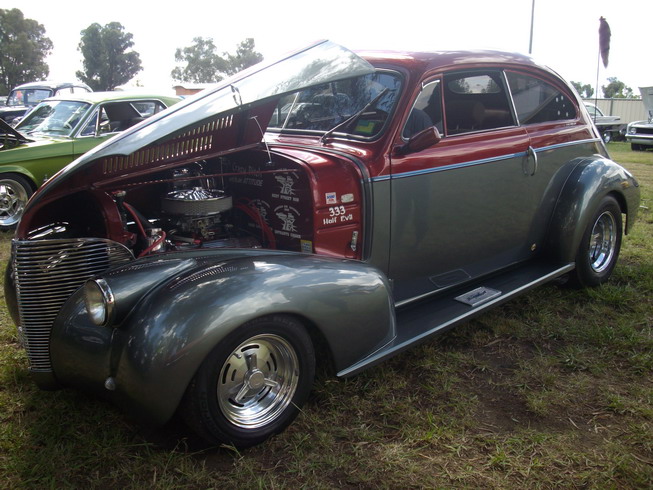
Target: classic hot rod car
329	207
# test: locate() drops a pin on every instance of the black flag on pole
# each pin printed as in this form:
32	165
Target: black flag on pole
604	40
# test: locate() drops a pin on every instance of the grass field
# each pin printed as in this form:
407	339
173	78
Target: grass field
554	389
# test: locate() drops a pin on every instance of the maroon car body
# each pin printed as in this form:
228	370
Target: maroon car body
357	203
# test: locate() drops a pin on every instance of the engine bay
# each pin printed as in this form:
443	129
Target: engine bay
219	204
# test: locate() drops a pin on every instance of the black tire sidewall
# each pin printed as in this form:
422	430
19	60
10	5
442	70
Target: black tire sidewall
214	426
585	276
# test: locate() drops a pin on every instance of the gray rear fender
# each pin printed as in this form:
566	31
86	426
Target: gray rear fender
590	181
175	326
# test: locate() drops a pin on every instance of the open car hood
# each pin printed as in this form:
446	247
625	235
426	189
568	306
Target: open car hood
9	133
229	117
647	98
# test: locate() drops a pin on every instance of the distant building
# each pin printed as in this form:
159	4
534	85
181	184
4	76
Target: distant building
189	88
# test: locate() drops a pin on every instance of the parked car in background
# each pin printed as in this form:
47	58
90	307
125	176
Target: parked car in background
57	131
610	127
25	96
640	133
329	207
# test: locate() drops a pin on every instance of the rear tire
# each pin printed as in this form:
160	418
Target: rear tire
253	384
599	248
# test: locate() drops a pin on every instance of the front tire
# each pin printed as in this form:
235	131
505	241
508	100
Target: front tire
599	248
252	385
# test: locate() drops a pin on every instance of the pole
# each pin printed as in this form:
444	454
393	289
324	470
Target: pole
530	44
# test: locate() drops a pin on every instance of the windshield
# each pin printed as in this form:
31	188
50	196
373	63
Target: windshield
325	106
54	117
29	97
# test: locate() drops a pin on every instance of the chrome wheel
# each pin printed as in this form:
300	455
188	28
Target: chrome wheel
253	383
599	247
14	194
603	241
258	381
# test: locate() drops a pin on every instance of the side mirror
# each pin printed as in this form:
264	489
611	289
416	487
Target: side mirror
421	141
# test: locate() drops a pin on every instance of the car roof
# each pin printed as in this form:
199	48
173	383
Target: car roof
50	84
419	61
97	97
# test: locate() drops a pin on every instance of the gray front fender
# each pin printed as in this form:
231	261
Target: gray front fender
160	344
591	180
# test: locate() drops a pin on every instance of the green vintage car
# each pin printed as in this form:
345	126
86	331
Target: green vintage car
56	132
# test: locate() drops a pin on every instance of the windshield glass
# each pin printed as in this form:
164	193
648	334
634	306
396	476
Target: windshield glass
28	97
323	107
54	117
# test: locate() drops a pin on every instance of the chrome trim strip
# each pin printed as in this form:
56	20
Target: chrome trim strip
473	163
484	161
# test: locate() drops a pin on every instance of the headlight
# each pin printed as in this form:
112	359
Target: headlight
99	301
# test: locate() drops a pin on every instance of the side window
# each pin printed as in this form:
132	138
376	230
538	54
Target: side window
426	111
148	108
476	101
91	126
64	91
537	101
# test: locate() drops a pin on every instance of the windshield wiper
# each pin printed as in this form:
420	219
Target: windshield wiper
353	117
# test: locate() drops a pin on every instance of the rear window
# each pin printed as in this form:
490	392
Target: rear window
538	101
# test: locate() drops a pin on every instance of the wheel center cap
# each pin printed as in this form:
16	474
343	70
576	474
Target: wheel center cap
256	380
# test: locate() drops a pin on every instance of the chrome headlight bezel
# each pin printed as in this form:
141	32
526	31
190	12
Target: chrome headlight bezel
99	301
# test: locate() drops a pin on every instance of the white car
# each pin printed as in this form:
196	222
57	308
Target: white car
640	133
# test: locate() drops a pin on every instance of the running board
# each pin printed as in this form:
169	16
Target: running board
416	323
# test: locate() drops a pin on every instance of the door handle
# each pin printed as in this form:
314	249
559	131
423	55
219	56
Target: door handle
532	154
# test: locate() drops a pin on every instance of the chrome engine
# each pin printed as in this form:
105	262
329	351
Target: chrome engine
196	213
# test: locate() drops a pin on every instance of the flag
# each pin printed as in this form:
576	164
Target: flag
604	40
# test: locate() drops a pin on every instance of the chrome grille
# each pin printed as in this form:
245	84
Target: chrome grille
47	273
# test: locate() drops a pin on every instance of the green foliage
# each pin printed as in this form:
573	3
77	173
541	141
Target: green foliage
584	90
200	63
108	59
24	48
616	89
245	57
203	65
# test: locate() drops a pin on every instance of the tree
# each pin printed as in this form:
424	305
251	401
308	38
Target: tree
24	48
617	90
585	90
108	58
245	57
203	65
200	63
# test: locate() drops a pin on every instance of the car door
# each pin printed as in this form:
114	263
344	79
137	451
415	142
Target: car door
558	137
463	207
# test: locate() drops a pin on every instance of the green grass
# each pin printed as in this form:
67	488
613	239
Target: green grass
554	389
